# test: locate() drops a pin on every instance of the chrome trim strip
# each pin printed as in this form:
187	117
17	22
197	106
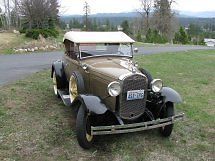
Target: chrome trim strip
123	76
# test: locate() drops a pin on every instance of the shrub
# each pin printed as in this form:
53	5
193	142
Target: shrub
139	36
34	33
22	31
153	36
181	37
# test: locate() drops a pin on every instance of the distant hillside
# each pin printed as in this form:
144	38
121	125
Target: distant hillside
206	14
185	18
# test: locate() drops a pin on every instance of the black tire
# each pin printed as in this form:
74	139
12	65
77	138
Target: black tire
80	82
55	84
167	112
148	76
83	129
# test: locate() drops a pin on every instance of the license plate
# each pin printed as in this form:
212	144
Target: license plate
135	95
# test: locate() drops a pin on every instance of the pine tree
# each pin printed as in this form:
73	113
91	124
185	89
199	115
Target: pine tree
181	37
126	28
139	36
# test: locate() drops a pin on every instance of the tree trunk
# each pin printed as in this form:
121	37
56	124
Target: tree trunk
147	21
9	15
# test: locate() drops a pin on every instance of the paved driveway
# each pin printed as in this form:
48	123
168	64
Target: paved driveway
14	67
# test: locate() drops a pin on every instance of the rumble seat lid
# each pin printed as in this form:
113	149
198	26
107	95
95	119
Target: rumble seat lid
97	37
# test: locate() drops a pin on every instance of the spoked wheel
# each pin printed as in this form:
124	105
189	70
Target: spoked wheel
83	128
73	88
76	85
55	87
167	112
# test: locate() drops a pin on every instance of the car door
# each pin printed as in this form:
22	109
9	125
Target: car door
70	60
70	65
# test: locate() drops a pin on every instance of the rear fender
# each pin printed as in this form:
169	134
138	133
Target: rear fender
170	95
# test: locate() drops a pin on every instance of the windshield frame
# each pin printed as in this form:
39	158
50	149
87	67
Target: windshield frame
106	55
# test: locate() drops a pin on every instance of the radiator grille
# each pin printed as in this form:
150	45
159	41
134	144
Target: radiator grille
133	109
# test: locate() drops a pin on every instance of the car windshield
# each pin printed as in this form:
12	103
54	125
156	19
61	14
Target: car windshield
106	49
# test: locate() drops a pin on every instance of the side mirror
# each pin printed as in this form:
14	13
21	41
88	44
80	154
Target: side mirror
135	50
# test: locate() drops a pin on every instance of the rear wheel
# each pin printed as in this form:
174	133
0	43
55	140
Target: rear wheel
55	84
73	89
83	129
76	85
167	112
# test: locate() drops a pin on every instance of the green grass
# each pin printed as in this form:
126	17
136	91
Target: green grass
35	125
10	41
141	44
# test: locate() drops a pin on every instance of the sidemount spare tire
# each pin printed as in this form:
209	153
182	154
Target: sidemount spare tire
147	74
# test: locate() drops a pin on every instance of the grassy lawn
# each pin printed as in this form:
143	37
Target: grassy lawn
34	125
9	41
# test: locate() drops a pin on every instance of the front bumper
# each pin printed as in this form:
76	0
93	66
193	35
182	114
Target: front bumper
118	129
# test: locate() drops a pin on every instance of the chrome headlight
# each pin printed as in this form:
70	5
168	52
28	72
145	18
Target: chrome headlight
156	85
114	89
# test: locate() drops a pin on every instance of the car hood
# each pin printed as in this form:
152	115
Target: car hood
113	67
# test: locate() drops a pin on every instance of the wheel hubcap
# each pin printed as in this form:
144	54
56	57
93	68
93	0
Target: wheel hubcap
54	80
73	89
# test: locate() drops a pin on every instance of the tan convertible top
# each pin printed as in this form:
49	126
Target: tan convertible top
97	37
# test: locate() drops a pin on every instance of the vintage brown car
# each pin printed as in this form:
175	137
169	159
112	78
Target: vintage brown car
98	77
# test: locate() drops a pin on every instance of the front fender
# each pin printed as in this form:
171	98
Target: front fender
91	103
170	95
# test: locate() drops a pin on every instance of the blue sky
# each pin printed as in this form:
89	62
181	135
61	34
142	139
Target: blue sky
116	6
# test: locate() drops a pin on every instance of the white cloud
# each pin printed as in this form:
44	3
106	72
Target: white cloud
114	6
195	5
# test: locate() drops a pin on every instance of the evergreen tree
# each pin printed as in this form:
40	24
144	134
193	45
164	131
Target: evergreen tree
194	30
94	25
139	36
107	25
181	37
153	36
1	23
126	28
149	36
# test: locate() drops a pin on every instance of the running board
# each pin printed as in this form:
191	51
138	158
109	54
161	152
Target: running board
64	95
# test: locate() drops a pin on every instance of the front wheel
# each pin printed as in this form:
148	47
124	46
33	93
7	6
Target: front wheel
85	139
168	111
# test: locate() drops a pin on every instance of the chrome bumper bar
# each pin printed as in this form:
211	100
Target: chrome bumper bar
118	129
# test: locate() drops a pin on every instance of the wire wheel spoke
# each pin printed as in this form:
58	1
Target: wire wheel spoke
73	90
